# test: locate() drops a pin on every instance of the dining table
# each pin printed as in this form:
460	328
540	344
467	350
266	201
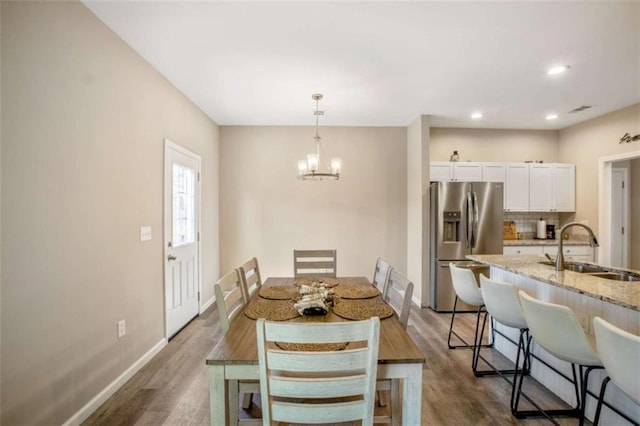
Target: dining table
235	358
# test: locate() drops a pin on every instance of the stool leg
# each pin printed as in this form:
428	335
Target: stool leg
585	384
514	410
515	371
477	341
603	388
453	315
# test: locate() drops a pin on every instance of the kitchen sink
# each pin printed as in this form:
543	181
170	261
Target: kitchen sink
583	268
597	271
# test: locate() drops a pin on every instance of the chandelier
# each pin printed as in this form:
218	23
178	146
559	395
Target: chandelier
315	167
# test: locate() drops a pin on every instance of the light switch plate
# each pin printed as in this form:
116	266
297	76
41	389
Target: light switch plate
145	233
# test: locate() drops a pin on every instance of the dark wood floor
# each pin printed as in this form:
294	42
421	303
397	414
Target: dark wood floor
172	389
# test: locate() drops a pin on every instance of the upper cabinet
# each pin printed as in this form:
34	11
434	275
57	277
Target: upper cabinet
552	187
446	171
528	187
516	187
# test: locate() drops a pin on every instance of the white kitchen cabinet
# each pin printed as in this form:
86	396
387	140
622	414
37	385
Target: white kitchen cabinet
443	171
576	253
551	187
516	189
493	172
522	250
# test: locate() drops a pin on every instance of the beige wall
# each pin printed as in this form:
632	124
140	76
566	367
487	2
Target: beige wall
585	143
634	225
494	145
266	212
84	119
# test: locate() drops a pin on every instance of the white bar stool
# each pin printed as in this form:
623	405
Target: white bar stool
556	329
503	304
467	290
620	354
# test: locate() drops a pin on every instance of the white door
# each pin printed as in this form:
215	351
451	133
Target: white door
619	229
181	236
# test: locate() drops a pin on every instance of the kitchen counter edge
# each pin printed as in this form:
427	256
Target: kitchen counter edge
621	293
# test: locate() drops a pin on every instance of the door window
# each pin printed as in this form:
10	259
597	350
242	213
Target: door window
184	205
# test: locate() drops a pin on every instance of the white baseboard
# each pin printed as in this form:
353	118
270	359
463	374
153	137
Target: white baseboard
91	406
207	304
416	302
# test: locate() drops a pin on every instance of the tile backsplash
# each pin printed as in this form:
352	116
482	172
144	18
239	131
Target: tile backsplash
526	222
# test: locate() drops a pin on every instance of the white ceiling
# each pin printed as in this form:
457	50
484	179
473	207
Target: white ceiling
386	63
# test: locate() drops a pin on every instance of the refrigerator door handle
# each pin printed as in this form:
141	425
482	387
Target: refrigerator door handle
469	220
476	219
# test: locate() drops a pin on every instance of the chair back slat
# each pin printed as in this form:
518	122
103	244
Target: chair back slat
398	293
231	297
381	274
314	263
318	379
250	275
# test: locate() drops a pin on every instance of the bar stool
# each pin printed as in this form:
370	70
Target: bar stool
503	304
467	290
556	329
620	354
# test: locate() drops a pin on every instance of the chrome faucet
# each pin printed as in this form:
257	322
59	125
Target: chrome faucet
560	257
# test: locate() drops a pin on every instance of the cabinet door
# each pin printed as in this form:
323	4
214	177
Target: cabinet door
493	172
467	172
440	171
564	182
541	187
517	188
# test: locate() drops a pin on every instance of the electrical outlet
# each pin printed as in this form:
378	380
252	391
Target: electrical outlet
122	329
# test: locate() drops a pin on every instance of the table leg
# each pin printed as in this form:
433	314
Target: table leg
233	401
396	402
217	395
412	395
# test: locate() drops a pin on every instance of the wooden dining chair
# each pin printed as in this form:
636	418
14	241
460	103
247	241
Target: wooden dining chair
231	299
312	387
250	275
381	274
397	293
314	263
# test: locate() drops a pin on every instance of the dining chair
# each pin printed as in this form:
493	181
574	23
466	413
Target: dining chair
619	352
231	298
381	274
314	263
556	329
397	293
317	386
250	275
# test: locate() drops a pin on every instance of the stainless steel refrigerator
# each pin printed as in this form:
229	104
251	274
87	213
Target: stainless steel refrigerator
466	218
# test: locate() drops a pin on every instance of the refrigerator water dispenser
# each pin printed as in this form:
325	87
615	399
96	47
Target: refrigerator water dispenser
451	226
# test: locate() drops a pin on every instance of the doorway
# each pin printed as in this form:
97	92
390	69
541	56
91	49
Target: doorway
181	236
606	207
620	214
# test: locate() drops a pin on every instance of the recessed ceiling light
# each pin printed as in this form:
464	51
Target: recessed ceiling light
476	115
551	116
557	70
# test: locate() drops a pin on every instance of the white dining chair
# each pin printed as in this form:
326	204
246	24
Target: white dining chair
250	275
315	263
619	352
231	299
301	386
397	293
557	330
381	274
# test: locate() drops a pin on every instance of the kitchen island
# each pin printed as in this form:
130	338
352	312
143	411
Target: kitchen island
616	301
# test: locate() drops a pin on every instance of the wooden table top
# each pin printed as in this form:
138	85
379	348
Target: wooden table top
238	345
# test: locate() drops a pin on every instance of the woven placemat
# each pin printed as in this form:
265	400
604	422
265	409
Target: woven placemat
327	281
362	309
279	292
356	291
312	347
273	310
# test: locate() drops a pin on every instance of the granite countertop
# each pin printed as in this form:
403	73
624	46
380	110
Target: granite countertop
622	293
535	242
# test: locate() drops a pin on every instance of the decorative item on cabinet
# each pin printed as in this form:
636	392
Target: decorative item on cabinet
455	156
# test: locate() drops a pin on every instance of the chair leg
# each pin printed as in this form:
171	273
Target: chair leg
585	385
452	332
493	371
381	401
247	400
603	389
524	370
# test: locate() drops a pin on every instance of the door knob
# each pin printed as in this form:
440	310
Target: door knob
171	257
